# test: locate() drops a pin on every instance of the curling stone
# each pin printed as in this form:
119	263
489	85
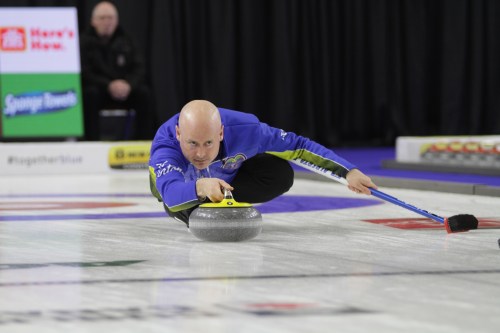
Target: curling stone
225	221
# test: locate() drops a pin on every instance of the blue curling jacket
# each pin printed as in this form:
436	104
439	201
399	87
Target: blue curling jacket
173	177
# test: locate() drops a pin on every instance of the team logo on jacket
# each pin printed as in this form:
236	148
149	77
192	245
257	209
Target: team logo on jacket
233	162
283	134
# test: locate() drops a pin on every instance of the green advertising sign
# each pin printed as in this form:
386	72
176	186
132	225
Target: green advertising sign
41	105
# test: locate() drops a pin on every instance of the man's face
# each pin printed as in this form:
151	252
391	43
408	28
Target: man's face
105	20
200	144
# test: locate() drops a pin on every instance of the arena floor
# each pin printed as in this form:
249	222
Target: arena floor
97	254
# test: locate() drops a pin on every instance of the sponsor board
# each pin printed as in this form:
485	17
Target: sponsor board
39	40
481	151
72	157
129	156
485	153
48	158
41	105
40	92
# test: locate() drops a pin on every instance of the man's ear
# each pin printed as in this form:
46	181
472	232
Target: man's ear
221	132
177	133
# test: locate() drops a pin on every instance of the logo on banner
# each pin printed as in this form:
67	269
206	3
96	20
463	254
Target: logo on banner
50	39
129	157
12	39
16	38
38	102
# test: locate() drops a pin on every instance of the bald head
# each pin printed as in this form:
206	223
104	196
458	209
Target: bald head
199	112
200	132
104	19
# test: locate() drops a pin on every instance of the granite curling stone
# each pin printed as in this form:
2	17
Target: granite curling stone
225	221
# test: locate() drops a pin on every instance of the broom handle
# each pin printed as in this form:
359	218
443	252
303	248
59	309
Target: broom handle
391	199
375	193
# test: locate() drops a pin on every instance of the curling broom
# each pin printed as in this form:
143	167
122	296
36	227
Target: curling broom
456	223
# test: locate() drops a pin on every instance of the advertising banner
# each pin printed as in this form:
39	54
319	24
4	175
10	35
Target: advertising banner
58	158
40	86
